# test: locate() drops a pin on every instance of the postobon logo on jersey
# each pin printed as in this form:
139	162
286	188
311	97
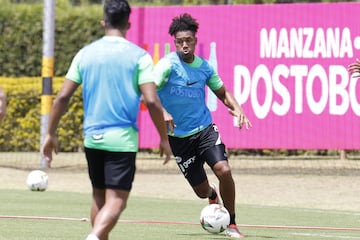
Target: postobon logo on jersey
183	165
183	92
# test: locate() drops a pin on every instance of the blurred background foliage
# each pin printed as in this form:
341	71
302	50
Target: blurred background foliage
20	129
21	26
76	24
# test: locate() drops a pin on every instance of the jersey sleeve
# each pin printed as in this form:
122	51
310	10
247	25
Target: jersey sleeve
145	69
73	73
162	72
215	82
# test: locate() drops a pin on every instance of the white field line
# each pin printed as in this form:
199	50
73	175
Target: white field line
181	223
325	235
327	211
300	227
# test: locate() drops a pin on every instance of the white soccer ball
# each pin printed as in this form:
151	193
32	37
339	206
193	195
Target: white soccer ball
37	180
214	218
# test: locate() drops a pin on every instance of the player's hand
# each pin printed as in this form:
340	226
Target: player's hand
242	119
165	149
50	145
169	121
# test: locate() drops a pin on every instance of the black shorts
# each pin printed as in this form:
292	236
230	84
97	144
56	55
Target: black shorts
192	152
112	170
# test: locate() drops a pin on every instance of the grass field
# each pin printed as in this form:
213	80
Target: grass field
302	199
48	215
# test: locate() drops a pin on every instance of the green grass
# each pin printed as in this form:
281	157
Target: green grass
76	205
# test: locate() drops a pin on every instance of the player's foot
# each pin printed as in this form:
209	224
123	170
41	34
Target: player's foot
233	232
92	237
216	200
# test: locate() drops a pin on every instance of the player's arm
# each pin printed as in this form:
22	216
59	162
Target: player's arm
162	72
59	108
151	100
218	87
60	104
233	107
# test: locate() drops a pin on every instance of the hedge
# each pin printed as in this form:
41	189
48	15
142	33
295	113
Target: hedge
21	26
20	129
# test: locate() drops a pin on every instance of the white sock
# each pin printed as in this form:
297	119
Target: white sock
92	237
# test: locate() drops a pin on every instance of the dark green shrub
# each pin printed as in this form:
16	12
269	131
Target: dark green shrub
20	129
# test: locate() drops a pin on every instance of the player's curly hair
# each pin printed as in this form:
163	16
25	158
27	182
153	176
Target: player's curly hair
184	22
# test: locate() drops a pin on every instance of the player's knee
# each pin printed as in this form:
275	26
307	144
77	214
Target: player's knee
222	170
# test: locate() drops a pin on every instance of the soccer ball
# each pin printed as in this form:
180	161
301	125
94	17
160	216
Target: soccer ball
214	218
37	180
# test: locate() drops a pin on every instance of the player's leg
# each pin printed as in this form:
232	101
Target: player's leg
202	190
191	165
98	202
109	214
197	178
185	152
215	156
112	181
226	185
227	191
96	174
213	153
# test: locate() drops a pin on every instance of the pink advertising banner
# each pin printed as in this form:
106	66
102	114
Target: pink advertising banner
286	64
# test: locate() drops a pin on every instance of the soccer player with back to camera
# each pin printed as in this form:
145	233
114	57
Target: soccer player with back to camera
194	139
114	74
